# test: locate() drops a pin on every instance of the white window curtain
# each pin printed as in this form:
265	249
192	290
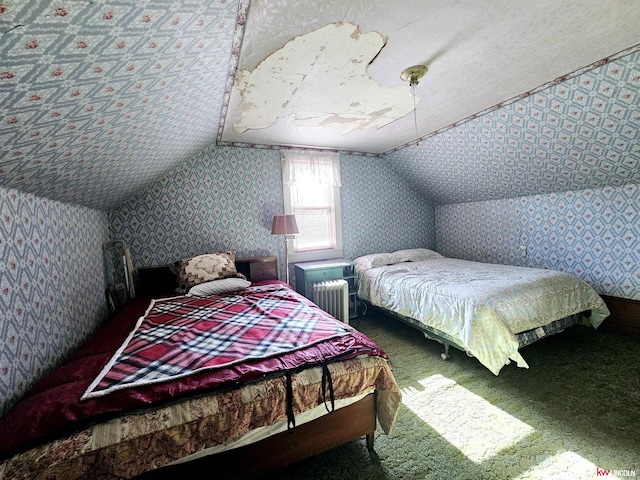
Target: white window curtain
303	167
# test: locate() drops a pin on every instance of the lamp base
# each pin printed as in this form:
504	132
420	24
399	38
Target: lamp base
286	256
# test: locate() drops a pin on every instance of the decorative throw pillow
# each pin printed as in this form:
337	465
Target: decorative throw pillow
218	287
204	268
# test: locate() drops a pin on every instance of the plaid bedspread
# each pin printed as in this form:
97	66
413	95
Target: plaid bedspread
182	335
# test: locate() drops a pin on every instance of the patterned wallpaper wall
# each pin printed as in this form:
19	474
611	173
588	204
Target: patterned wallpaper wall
580	133
499	179
226	198
380	212
99	98
51	285
222	198
594	234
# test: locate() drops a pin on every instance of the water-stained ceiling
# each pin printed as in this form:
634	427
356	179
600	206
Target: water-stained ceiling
100	98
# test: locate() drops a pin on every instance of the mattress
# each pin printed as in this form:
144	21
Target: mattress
52	434
481	306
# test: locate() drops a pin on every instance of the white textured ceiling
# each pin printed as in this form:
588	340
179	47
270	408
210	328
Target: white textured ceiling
479	53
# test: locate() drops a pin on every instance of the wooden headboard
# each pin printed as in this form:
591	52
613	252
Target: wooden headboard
156	280
161	280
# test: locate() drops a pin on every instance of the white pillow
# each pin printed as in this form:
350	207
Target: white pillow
217	287
414	255
374	260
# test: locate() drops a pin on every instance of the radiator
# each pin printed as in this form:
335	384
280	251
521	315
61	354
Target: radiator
332	296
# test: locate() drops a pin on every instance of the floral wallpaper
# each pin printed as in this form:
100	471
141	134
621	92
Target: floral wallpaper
52	286
100	98
226	197
222	198
594	234
579	133
553	176
380	211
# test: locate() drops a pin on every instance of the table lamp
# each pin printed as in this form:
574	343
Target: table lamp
285	225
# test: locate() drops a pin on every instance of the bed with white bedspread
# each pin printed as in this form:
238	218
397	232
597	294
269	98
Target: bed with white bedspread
481	308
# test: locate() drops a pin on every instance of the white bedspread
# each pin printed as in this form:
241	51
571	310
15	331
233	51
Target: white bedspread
481	305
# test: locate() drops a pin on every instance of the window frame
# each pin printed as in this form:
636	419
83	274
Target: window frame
321	254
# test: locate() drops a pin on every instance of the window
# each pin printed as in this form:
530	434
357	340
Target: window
311	182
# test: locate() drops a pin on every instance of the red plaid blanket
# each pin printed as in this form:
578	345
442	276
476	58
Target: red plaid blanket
182	335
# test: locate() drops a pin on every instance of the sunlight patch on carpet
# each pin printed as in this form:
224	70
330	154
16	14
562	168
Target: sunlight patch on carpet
567	465
477	428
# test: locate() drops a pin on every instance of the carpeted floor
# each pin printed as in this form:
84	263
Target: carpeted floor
574	414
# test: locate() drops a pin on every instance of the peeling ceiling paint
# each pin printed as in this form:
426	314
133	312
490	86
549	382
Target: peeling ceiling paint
321	79
481	54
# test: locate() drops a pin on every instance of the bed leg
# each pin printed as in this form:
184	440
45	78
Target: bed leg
445	354
370	438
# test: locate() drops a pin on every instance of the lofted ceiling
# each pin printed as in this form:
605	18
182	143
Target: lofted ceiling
100	98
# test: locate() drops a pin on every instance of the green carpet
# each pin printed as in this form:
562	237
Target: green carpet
574	414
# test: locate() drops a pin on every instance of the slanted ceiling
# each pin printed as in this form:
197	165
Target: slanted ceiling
100	98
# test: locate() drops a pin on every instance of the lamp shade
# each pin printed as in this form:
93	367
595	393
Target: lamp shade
284	225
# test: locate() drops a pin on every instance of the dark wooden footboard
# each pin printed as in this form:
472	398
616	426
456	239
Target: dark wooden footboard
625	316
331	430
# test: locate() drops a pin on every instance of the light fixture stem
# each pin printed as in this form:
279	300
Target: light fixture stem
413	76
415	120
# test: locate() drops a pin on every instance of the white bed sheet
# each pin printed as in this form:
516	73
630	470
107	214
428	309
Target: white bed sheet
483	306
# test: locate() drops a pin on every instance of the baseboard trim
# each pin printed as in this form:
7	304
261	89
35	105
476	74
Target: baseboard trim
625	316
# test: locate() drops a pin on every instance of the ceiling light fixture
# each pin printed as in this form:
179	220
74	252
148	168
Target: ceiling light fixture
413	76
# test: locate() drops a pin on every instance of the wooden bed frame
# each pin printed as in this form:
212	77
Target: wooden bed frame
625	316
278	451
